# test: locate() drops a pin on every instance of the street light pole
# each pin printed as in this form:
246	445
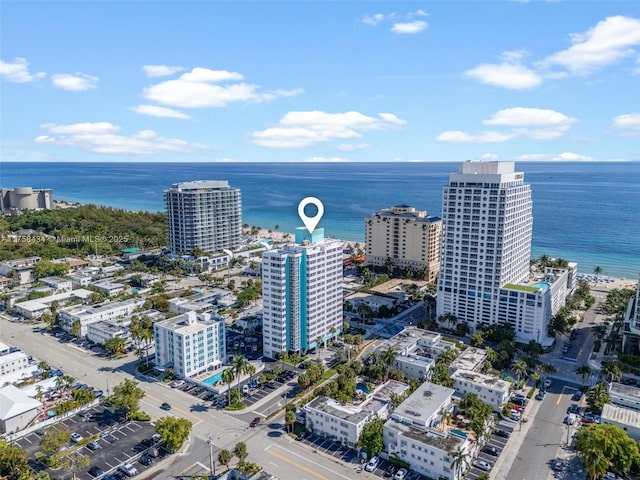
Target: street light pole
212	463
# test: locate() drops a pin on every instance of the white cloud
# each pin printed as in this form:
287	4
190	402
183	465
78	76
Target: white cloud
160	70
548	157
458	136
76	83
352	147
628	124
303	129
508	74
229	160
374	19
611	40
156	111
409	28
18	71
102	137
536	123
198	89
325	160
489	156
417	13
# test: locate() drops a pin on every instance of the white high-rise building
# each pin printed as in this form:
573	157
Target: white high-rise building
191	343
302	293
402	237
204	214
487	224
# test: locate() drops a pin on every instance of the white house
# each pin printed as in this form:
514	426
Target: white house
12	362
58	284
110	311
110	289
100	332
17	409
625	418
624	395
471	359
489	388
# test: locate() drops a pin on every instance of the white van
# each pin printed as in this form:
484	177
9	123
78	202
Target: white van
515	415
245	389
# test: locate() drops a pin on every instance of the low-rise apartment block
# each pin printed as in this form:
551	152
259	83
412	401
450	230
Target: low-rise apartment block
86	315
58	284
626	396
344	423
109	288
411	434
190	343
35	308
470	359
488	388
12	361
625	418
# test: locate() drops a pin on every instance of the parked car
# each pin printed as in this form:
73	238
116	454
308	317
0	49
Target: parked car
502	433
129	470
145	460
372	464
93	445
301	436
482	465
558	465
96	471
165	406
547	383
255	422
493	451
391	470
540	395
520	402
76	437
573	408
577	396
400	474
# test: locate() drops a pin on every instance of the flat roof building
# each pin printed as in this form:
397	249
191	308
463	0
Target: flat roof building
404	237
488	388
25	198
204	215
625	418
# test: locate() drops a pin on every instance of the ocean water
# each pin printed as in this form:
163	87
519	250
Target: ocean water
585	212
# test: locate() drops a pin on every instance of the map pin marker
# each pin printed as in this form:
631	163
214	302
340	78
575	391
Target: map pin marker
310	222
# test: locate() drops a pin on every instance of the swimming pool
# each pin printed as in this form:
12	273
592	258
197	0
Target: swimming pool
543	286
213	379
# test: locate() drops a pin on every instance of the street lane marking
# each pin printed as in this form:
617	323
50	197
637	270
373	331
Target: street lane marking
561	393
289	452
296	464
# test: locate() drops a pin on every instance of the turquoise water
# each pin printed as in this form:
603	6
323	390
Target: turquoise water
459	433
213	379
543	286
565	194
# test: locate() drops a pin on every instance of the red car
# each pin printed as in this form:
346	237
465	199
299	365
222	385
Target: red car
255	422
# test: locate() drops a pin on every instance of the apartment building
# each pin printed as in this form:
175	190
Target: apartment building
58	284
488	388
12	361
402	237
191	343
205	215
411	434
25	198
302	293
86	315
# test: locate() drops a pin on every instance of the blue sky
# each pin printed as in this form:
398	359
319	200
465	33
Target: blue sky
319	81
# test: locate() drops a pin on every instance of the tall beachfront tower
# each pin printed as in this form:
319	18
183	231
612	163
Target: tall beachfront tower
204	214
302	293
487	223
403	237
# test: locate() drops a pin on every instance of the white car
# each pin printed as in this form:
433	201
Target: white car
482	465
129	470
400	474
547	383
76	437
372	464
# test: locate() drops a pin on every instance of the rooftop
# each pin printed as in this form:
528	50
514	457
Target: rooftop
625	390
442	441
189	322
200	185
469	359
350	413
489	381
14	402
624	416
420	407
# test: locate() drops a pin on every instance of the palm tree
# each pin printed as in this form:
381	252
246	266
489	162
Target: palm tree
224	457
519	368
584	371
459	462
388	358
612	371
445	418
251	371
596	463
547	369
228	377
40	392
240	450
318	343
290	419
239	366
597	270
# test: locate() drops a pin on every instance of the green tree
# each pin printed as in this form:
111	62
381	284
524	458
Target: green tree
115	345
459	462
228	377
371	437
611	371
74	461
127	395
174	431
476	339
239	365
240	451
290	419
597	397
14	461
604	445
54	439
76	328
224	457
520	369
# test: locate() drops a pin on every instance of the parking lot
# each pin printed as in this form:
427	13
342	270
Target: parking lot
496	442
118	442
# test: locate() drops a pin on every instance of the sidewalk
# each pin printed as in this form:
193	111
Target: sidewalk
503	465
